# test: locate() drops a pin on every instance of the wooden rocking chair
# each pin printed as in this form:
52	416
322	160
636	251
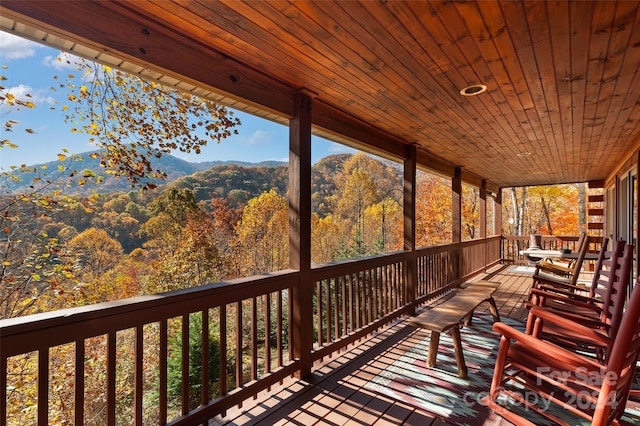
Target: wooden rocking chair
551	274
565	267
529	369
596	319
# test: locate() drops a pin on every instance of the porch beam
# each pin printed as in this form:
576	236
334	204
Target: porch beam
119	30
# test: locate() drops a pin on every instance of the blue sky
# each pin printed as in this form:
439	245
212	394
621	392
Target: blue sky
30	68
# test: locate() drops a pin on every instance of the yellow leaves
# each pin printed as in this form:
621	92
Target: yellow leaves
107	69
84	89
29	131
5	263
72	98
62	157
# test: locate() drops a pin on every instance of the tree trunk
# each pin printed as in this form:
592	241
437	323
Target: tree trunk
582	206
545	211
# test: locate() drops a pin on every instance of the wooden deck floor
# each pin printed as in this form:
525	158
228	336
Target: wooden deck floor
335	394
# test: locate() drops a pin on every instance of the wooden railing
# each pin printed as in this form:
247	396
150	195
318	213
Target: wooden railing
250	318
443	267
353	298
513	244
186	356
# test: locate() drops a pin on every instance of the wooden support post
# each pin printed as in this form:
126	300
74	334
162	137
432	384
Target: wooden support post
409	209
456	221
300	230
483	210
482	213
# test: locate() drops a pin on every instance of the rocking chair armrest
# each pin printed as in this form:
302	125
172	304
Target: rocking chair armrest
536	345
578	302
588	332
564	287
550	280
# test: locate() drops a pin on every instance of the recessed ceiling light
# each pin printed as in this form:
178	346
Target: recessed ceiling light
474	89
524	154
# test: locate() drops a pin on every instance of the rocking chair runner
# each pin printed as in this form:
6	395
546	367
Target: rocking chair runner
578	384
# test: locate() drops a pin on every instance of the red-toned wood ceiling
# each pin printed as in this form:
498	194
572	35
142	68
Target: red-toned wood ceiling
563	88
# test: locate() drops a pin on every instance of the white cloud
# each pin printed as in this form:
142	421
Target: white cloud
27	93
14	47
257	137
340	149
62	61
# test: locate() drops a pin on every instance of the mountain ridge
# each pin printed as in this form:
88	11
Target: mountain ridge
72	170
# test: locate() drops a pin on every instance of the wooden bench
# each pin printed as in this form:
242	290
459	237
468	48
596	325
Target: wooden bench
451	313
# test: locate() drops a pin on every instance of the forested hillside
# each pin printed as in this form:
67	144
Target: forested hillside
227	221
71	170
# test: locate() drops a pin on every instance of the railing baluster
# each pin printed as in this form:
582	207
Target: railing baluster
319	302
111	378
343	287
279	326
358	300
336	309
368	296
377	292
78	399
328	306
254	340
138	375
352	303
222	317
3	391
43	386
289	328
239	331
267	333
185	364
162	361
204	393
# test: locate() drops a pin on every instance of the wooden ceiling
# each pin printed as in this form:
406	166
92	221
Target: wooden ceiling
563	84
